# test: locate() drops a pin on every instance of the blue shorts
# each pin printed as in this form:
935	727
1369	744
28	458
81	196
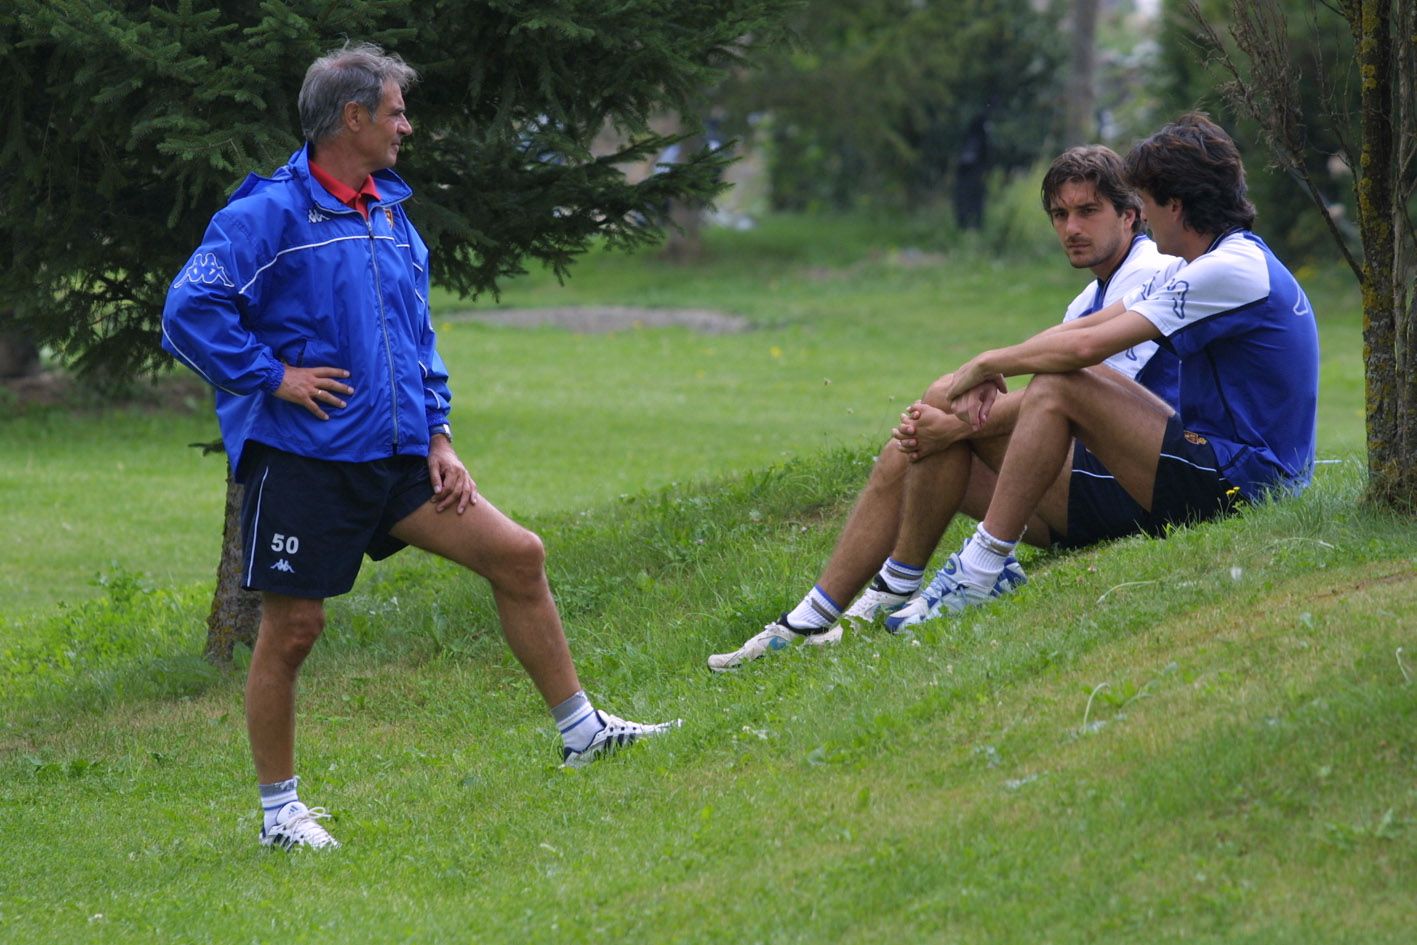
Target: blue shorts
1189	488
306	524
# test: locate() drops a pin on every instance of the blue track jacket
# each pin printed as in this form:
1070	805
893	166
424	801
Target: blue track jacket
286	274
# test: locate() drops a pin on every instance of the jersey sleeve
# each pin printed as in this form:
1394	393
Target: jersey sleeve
1188	305
202	324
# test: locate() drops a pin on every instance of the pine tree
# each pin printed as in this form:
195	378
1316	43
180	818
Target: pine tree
129	122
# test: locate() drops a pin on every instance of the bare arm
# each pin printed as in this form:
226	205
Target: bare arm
1078	344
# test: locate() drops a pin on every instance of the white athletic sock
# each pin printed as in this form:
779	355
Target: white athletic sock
577	721
275	797
817	611
981	561
900	578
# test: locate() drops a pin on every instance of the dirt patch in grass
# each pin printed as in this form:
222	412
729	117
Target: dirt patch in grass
58	389
601	319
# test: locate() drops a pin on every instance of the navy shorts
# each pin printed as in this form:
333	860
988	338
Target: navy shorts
307	523
1189	488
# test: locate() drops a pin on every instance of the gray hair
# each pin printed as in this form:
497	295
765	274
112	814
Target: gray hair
352	74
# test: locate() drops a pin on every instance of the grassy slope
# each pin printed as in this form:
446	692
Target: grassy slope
1245	775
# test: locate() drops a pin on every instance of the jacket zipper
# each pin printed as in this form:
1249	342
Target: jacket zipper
384	327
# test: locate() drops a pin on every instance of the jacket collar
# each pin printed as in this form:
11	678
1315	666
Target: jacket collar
391	186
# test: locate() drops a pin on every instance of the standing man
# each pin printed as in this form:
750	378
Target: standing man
306	307
1248	344
937	465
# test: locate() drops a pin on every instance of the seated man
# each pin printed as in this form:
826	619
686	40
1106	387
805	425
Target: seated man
899	519
1248	344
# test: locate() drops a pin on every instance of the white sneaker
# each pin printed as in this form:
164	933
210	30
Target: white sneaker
296	826
617	733
947	594
874	601
775	637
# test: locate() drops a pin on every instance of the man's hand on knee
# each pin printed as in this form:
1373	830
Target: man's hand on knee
452	483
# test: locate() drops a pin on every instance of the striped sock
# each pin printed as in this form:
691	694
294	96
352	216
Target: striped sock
982	559
900	578
817	611
577	721
274	798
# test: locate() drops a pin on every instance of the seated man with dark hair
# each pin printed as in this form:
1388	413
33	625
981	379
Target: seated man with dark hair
1248	344
937	466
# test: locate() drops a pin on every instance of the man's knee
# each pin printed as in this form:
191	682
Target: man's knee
292	629
1053	391
521	560
935	394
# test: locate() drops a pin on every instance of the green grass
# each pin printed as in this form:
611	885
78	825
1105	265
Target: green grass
1207	739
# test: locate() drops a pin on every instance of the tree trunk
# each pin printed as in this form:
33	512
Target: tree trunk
1082	77
236	614
19	356
1392	473
1403	493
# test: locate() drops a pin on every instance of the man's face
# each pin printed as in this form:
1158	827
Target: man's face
1092	232
378	140
1164	221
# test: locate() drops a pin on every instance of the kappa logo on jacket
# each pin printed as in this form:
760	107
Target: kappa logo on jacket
315	216
204	269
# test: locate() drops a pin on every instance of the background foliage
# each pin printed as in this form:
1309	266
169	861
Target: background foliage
129	122
880	102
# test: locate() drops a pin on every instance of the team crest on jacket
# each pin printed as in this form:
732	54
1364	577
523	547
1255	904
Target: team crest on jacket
389	215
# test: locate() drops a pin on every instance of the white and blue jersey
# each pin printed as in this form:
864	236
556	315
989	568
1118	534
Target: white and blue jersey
1151	366
1249	350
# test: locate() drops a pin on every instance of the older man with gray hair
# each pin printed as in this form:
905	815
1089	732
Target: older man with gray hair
306	307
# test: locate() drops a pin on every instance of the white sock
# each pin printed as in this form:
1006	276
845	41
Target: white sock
900	578
577	721
817	611
981	561
275	797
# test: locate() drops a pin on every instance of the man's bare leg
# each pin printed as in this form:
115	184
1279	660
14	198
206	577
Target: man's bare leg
1120	421
289	628
513	561
870	529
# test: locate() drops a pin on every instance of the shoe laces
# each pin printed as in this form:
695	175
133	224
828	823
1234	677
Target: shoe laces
304	830
620	731
943	583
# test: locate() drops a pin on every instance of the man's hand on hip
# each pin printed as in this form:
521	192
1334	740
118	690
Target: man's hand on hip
311	387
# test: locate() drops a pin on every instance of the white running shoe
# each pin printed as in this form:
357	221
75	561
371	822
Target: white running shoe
775	637
616	734
877	599
946	594
296	826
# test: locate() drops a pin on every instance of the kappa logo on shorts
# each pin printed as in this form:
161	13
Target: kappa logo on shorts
283	565
1195	438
